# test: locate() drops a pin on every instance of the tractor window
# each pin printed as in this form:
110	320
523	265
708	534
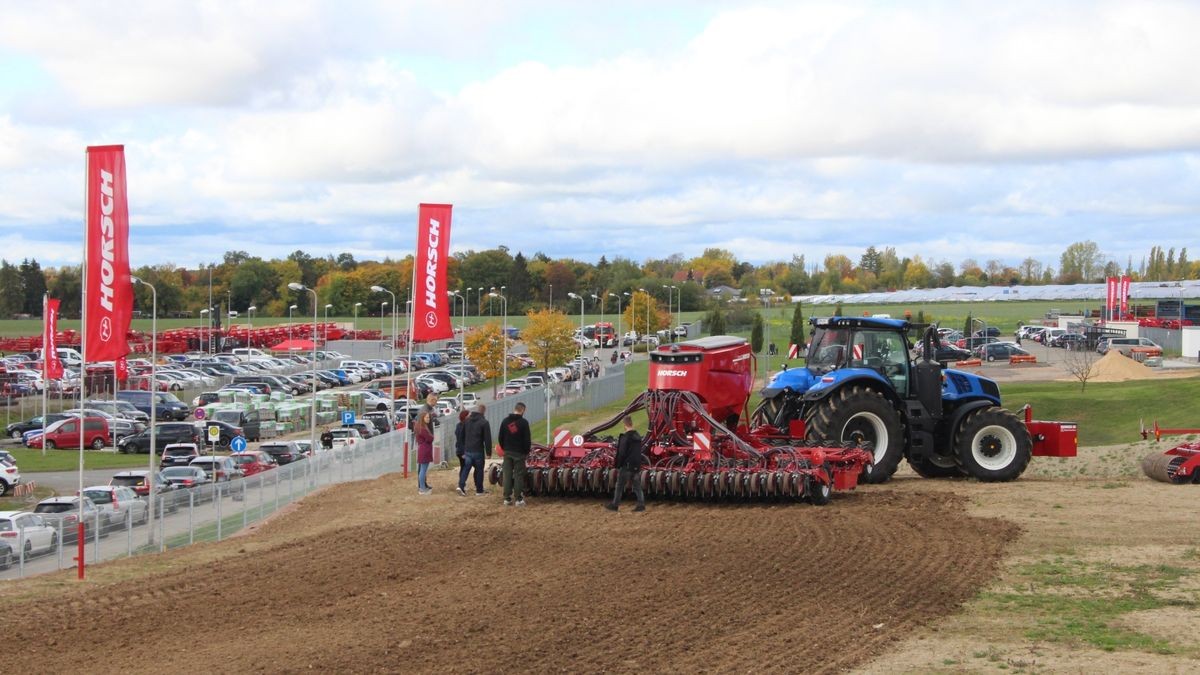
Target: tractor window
828	349
886	352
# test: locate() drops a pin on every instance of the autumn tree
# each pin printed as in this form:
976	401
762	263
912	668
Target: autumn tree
486	345
549	338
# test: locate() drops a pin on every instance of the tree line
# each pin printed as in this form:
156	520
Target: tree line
240	280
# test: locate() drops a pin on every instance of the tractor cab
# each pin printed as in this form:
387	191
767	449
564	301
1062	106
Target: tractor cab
878	345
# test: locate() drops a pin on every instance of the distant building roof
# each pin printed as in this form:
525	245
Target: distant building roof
1137	290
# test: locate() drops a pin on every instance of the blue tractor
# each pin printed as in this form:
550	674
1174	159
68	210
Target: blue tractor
861	385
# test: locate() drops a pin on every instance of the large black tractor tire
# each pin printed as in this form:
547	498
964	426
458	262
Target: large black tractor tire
860	415
927	467
993	445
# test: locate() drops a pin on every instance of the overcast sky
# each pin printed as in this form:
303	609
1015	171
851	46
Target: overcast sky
945	129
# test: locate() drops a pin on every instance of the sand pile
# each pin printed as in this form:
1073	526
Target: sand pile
1116	367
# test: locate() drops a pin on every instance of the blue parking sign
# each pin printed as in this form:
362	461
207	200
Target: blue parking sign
238	444
347	417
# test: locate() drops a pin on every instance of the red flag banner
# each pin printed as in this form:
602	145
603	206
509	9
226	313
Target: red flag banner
1124	296
121	366
52	368
431	305
108	294
1110	298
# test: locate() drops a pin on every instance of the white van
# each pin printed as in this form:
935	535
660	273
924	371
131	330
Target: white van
1125	345
249	354
1050	334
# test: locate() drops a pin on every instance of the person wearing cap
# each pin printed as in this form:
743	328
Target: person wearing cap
477	443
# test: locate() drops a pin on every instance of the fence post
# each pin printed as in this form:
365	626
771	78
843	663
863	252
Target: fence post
21	557
129	536
218	505
60	542
244	505
96	539
191	516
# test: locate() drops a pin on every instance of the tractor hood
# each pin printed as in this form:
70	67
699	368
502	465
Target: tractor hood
796	379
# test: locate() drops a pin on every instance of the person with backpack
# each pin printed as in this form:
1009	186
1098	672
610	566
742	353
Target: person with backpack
477	442
515	439
460	438
629	462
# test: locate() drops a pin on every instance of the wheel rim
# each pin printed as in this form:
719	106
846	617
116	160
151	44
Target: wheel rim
16	435
994	447
867	427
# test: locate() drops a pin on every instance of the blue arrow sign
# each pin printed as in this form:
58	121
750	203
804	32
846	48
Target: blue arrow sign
238	444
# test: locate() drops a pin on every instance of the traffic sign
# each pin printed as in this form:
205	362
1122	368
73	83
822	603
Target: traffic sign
347	417
214	433
199	413
238	444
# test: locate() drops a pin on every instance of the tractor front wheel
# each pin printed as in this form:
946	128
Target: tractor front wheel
863	416
993	445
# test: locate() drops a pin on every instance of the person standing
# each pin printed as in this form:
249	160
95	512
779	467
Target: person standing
514	437
460	438
477	442
629	462
423	430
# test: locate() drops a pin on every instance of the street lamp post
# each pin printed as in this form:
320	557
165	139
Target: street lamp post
327	306
670	314
600	302
290	310
766	294
250	315
464	342
206	330
618	340
153	407
312	406
504	332
573	296
647	316
354	329
391	446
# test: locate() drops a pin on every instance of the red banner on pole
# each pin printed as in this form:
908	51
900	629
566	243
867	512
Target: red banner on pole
1124	296
1110	298
109	293
431	304
121	367
52	368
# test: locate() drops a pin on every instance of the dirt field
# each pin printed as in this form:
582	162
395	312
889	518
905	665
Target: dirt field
370	577
1080	566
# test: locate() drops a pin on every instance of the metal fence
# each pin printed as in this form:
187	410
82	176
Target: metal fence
587	393
1171	341
183	517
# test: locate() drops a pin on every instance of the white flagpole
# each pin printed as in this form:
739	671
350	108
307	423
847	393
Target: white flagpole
87	201
45	365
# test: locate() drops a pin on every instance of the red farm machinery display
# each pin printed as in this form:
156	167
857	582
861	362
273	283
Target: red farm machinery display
698	444
1180	464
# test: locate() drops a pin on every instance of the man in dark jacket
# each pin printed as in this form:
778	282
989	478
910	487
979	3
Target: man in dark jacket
477	442
515	439
629	462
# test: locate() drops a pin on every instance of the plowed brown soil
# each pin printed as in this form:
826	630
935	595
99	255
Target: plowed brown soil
371	578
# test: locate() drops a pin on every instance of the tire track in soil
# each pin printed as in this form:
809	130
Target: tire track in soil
561	585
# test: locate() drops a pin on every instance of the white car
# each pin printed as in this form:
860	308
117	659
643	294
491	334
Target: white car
118	505
345	437
446	407
28	532
435	384
469	399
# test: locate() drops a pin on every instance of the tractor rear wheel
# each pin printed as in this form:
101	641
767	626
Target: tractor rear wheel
934	467
863	416
993	445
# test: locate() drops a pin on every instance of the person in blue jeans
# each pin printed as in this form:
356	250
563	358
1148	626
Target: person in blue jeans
477	444
424	434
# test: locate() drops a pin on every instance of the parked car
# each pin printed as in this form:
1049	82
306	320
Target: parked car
136	480
990	331
218	468
284	452
945	353
179	454
10	476
999	350
118	408
167	406
62	513
166	433
191	481
27	532
252	462
1070	341
16	430
66	434
7	555
381	420
366	429
1125	345
973	343
345	437
119	506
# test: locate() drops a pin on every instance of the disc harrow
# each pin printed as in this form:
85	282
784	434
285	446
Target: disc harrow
691	456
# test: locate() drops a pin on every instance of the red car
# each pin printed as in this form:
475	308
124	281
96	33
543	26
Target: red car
65	434
253	461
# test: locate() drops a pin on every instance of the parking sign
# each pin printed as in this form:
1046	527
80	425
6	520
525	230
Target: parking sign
347	417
